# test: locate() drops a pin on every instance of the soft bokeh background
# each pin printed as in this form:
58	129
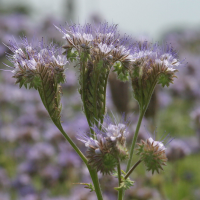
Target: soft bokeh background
35	161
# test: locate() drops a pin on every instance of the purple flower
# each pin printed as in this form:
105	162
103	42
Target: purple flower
144	51
153	53
103	41
109	145
168	58
28	58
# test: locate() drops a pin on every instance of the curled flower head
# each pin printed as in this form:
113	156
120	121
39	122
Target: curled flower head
28	59
155	60
101	42
144	51
153	154
109	146
99	154
151	65
42	67
96	48
114	131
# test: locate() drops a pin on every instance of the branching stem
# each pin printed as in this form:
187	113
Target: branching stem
131	170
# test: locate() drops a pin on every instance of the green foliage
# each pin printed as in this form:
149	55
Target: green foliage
125	183
109	162
27	78
72	55
122	72
164	80
89	186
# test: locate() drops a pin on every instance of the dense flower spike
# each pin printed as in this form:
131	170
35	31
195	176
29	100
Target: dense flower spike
109	147
151	64
153	154
42	67
97	49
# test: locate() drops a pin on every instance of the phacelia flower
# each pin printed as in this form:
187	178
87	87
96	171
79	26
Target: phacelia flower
29	59
97	49
108	148
42	67
153	154
99	154
151	65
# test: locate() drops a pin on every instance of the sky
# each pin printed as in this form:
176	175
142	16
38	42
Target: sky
151	17
136	17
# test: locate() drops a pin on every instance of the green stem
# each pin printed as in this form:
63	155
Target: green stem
143	108
93	172
142	112
131	170
78	151
95	180
120	192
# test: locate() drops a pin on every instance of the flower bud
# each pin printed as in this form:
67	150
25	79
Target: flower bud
152	153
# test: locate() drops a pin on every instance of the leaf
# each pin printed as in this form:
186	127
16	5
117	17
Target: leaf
72	56
125	183
123	77
88	186
122	72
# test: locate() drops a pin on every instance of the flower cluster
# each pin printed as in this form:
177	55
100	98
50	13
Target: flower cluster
151	64
42	67
97	49
108	148
102	42
31	59
153	154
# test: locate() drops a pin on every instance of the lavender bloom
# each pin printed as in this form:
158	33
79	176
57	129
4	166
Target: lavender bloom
154	54
168	58
109	146
99	154
102	42
144	51
97	49
116	132
28	59
152	65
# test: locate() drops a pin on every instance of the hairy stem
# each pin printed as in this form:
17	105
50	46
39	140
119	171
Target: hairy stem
95	180
93	172
78	151
120	192
131	170
142	112
143	108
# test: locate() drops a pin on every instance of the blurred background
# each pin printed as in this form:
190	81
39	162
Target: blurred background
36	163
